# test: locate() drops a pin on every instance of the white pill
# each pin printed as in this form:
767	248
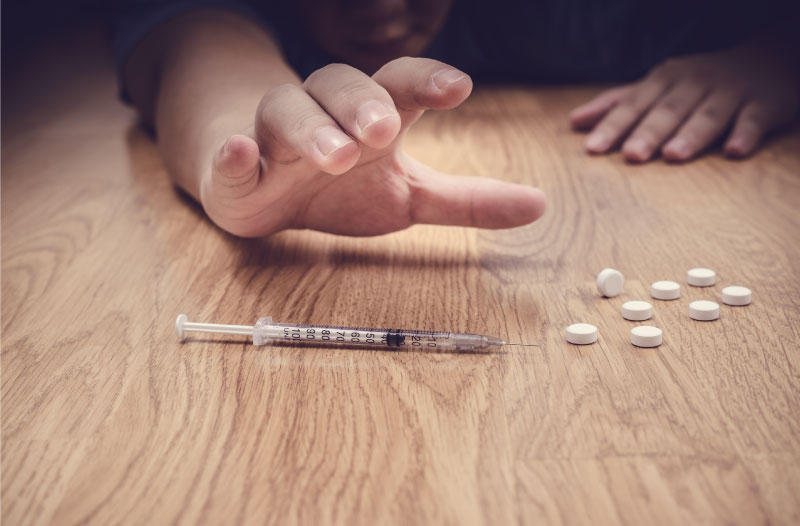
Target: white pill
646	336
637	310
581	334
610	282
665	290
703	310
736	296
701	277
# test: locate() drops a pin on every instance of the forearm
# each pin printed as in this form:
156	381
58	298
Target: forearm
198	79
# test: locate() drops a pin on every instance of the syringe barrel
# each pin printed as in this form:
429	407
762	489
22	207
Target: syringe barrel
266	331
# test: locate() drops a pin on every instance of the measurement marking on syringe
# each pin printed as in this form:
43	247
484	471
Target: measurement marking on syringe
328	335
265	331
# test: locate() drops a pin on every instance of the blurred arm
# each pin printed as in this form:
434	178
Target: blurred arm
197	79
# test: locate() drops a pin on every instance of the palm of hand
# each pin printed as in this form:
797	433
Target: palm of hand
375	197
258	185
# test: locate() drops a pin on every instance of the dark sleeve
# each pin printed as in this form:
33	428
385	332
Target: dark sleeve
132	20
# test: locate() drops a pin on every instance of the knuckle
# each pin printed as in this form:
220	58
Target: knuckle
671	108
399	64
325	72
403	61
711	113
623	113
657	75
355	88
303	123
274	96
636	101
343	85
698	78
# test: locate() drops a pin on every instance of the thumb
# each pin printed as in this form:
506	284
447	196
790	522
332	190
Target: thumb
445	199
236	168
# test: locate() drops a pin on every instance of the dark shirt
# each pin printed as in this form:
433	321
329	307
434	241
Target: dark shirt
541	41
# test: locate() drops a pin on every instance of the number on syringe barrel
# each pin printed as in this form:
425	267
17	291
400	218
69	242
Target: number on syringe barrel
341	336
424	339
297	334
362	337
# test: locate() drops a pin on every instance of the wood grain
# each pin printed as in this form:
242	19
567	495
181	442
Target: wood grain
107	419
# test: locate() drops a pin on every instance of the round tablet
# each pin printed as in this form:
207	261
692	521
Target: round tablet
665	290
637	310
736	296
581	334
646	336
701	277
610	282
703	310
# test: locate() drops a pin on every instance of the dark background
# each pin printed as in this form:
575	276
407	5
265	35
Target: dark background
27	23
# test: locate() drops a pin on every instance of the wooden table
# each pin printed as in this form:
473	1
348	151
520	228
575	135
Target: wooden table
107	419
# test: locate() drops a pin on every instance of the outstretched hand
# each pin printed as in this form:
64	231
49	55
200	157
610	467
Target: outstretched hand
328	156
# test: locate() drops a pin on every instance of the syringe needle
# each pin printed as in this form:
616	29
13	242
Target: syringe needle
524	344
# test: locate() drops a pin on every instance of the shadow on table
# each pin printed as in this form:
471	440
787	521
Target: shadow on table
289	248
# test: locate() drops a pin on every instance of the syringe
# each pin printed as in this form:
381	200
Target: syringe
266	331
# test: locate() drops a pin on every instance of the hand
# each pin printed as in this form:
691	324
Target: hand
686	104
328	156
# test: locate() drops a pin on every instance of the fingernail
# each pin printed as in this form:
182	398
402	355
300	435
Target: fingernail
677	147
371	112
225	146
329	139
444	78
638	147
597	142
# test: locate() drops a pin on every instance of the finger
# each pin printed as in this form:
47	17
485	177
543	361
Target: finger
753	122
418	84
291	126
706	124
362	107
445	199
625	114
586	115
236	168
662	120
